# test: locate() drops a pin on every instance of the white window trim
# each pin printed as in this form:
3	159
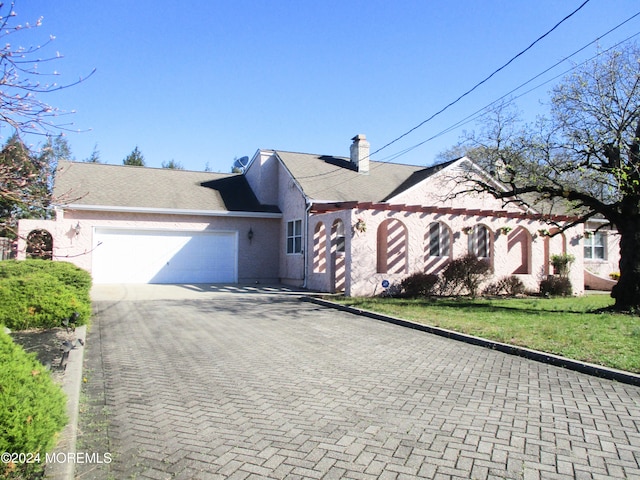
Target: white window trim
593	259
294	236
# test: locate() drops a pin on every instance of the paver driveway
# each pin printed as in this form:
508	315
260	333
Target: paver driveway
242	385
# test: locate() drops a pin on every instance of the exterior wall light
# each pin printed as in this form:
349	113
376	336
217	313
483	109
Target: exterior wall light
250	234
77	229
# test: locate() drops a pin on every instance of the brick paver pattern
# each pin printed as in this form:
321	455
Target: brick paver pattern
272	387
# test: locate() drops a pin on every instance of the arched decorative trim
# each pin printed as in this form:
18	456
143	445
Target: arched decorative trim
519	250
338	257
40	245
392	248
338	238
320	248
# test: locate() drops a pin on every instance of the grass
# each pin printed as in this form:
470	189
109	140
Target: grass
572	327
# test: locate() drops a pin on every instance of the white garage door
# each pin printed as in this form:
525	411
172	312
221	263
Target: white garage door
152	256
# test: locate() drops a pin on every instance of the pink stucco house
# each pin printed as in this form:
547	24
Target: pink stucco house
322	222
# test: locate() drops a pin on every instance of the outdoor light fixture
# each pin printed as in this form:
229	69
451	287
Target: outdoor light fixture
250	234
77	229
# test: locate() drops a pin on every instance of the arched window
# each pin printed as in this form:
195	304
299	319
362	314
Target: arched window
40	245
392	247
438	240
319	248
480	242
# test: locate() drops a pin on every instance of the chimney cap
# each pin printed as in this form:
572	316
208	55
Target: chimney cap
360	136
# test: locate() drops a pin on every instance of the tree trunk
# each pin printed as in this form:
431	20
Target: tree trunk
627	291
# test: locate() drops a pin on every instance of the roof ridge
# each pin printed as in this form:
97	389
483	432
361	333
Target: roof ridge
139	167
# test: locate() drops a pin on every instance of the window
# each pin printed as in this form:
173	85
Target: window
439	245
594	246
294	236
479	241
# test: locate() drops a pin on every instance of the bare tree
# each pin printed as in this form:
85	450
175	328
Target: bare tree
26	74
586	156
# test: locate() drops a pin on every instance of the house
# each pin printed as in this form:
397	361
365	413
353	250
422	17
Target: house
327	223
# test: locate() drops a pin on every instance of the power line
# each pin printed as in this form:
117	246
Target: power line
483	111
482	81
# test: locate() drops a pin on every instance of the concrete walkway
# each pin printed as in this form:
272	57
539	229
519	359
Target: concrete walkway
247	384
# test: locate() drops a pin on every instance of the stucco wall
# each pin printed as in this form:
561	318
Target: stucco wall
293	207
365	280
322	250
262	176
257	260
611	262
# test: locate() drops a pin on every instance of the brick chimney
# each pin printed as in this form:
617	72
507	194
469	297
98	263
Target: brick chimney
360	154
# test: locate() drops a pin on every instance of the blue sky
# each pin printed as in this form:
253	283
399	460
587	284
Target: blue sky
201	82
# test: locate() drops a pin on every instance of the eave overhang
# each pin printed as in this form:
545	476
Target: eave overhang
169	211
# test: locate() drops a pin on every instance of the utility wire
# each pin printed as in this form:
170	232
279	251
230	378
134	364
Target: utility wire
482	81
484	110
478	113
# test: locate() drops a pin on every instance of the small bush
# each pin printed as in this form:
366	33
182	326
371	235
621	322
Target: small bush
510	286
614	276
419	284
32	407
39	293
562	263
556	285
464	275
394	291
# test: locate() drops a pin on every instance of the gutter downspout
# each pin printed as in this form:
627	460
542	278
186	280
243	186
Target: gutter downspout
306	239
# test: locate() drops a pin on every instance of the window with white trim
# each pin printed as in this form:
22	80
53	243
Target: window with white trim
294	236
594	246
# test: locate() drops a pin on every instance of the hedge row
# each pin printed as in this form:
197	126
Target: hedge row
32	407
40	293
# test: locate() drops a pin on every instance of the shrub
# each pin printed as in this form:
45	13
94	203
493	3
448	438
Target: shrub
419	284
562	263
464	275
394	291
556	285
510	286
68	273
614	276
33	408
39	293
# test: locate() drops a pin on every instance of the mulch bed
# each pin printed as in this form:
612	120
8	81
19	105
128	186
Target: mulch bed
47	345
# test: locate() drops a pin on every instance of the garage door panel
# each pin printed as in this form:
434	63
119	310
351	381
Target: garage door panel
139	256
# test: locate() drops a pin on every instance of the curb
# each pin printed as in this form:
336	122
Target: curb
66	445
548	358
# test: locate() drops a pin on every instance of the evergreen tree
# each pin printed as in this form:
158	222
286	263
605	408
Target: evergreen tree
135	158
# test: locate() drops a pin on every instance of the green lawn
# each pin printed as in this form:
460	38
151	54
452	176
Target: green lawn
570	327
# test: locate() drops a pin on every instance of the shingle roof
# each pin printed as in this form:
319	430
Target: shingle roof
329	178
123	186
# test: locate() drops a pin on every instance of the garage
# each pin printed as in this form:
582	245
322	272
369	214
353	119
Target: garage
162	256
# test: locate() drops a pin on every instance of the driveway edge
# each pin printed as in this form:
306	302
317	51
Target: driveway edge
556	360
71	381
